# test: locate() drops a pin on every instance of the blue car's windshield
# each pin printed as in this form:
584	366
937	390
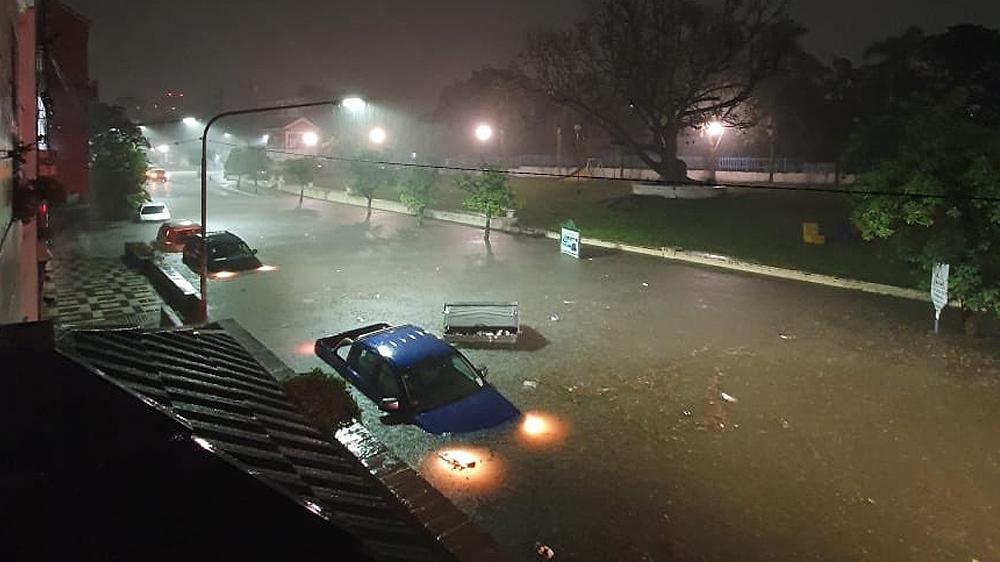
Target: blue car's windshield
441	380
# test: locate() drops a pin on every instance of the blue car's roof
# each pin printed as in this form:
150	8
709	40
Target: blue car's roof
405	346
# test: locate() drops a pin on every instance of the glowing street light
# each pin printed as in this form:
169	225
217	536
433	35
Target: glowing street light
354	104
163	148
377	135
190	121
264	138
484	132
310	138
227	135
715	129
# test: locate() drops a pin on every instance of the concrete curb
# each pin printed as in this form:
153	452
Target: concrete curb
675	254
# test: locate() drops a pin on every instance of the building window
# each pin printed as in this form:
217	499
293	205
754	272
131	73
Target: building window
43	125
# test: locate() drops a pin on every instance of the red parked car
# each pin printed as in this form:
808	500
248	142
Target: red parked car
173	235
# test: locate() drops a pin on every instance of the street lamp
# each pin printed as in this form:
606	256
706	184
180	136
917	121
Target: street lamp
484	132
190	121
163	148
715	131
203	266
377	135
354	104
310	138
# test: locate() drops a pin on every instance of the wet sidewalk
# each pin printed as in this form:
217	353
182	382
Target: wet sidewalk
82	290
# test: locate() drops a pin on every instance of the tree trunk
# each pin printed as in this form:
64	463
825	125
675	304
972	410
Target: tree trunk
486	233
420	217
770	162
302	194
668	166
368	215
970	323
239	180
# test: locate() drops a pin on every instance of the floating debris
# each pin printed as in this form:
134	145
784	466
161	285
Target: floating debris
457	462
554	317
786	337
530	384
728	397
544	551
569	302
645	284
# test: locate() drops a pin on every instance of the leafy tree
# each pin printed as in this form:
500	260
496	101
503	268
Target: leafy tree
117	162
251	161
644	70
300	171
916	66
365	177
489	194
941	151
236	164
417	190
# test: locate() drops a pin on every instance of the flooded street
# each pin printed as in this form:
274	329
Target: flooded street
679	413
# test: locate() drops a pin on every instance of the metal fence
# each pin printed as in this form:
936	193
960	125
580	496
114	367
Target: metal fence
724	164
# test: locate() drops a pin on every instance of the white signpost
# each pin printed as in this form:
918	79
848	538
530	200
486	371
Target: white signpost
569	242
939	290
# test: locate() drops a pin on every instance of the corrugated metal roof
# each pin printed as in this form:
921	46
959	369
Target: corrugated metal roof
233	404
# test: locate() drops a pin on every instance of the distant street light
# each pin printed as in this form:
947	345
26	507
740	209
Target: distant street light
227	135
484	132
163	148
310	138
190	121
377	135
264	138
354	104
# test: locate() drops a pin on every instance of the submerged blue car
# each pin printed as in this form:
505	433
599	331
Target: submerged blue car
417	378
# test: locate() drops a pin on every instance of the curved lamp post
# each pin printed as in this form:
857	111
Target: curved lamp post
203	266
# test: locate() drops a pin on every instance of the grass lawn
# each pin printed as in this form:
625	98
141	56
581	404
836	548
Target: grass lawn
760	226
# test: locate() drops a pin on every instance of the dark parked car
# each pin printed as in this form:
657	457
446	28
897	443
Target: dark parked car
228	254
172	236
417	378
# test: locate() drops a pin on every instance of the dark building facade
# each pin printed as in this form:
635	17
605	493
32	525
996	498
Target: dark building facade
65	92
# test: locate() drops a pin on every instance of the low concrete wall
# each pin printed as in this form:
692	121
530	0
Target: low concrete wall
678	191
698	175
173	288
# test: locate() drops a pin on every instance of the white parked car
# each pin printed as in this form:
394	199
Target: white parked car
152	212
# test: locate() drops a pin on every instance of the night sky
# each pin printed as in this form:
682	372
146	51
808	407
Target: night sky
400	51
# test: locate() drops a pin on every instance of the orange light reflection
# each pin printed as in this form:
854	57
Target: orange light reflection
267	268
463	470
224	275
538	428
305	348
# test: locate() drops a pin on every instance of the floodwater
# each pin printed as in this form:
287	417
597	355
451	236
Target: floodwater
680	413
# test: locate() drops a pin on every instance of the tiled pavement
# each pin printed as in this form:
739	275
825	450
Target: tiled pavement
99	292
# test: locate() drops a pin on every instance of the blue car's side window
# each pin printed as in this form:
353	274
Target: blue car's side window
376	375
